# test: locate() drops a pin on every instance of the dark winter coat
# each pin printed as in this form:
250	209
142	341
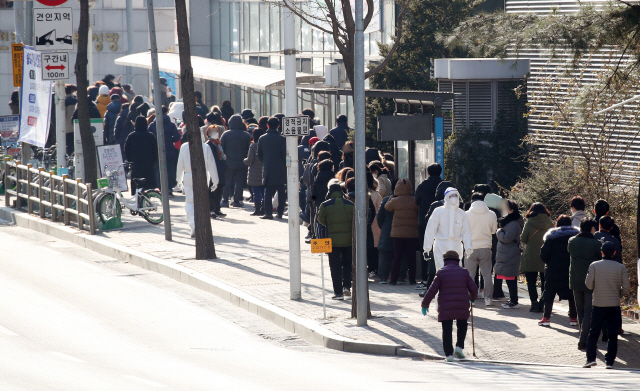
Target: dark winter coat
235	143
303	154
508	250
608	237
336	153
272	151
141	149
555	255
532	236
385	220
221	165
93	112
127	126
442	187
340	135
336	214
584	250
254	176
119	128
171	136
405	211
110	118
425	196
321	186
456	288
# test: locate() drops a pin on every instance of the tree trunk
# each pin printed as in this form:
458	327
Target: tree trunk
205	249
86	135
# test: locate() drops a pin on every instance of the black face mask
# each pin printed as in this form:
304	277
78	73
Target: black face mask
348	155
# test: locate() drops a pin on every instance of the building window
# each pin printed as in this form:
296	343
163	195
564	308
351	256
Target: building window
262	61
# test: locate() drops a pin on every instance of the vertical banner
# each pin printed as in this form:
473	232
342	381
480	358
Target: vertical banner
439	144
16	60
35	100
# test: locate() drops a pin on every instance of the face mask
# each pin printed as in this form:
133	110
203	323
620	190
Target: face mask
453	199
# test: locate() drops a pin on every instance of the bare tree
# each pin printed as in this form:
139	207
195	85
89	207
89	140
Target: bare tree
205	248
337	19
80	69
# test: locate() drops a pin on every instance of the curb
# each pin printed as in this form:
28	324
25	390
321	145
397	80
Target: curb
307	329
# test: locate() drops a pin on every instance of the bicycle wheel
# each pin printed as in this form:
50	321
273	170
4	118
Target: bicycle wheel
108	207
152	199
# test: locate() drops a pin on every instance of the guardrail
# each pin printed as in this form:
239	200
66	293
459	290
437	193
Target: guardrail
53	196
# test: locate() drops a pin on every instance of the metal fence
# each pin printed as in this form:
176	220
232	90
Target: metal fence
56	197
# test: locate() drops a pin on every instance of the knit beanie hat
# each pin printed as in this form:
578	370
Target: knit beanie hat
104	90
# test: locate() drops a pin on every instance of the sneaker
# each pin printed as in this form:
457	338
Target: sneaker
488	301
510	305
220	214
383	281
609	366
213	215
421	287
449	359
573	322
545	322
590	364
346	292
307	241
458	353
422	294
224	204
336	297
373	275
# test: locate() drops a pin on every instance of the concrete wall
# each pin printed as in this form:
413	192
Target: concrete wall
110	28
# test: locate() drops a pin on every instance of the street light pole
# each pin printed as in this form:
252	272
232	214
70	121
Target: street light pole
361	180
291	95
157	99
129	38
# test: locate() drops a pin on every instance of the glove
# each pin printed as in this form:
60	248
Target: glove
214	187
472	301
424	311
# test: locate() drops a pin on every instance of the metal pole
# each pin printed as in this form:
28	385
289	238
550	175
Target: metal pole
130	38
61	125
361	182
324	305
157	99
18	19
28	40
89	60
291	94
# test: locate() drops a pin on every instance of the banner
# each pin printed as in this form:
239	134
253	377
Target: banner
111	156
35	100
9	127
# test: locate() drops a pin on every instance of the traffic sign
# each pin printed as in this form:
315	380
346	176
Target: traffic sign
321	246
16	59
295	126
55	66
53	28
52	3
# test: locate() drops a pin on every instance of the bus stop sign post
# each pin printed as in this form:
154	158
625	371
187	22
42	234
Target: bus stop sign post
322	246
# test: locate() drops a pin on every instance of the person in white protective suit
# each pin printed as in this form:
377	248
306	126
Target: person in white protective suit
447	229
183	175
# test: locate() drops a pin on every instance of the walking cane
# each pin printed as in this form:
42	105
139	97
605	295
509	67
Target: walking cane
473	338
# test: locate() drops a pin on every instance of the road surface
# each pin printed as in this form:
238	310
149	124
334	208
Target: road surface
71	319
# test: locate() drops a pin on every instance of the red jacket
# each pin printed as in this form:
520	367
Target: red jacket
456	288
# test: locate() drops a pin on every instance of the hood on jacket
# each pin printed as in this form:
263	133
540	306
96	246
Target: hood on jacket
114	107
479	207
540	221
235	122
559	232
442	187
403	187
451	198
580	214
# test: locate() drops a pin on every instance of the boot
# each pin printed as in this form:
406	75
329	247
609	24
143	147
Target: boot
258	209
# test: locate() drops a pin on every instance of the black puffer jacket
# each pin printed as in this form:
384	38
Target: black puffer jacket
320	186
442	187
425	196
555	255
236	143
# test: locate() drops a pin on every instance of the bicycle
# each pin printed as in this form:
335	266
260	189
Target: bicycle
145	203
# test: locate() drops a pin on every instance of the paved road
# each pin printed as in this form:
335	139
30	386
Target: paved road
71	319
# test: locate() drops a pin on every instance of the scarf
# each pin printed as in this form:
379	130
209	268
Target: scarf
509	218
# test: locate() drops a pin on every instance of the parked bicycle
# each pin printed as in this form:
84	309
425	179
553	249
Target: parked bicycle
145	203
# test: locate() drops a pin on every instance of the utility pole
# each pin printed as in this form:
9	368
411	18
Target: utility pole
361	180
157	99
61	125
27	35
130	39
291	110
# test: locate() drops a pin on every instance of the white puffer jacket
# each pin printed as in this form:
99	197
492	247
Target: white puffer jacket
484	223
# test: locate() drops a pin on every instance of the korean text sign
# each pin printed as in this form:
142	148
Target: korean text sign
35	100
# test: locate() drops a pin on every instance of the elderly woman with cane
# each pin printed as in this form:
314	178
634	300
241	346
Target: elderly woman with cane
457	289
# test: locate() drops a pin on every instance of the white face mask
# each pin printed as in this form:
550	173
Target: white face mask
454	199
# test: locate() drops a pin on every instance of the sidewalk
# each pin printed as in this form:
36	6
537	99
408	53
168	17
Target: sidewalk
253	257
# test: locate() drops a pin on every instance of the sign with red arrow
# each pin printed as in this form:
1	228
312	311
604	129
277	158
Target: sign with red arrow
55	66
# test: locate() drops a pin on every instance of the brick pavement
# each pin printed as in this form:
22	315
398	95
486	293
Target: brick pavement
253	256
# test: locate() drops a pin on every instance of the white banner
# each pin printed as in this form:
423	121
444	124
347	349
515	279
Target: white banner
111	157
35	100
